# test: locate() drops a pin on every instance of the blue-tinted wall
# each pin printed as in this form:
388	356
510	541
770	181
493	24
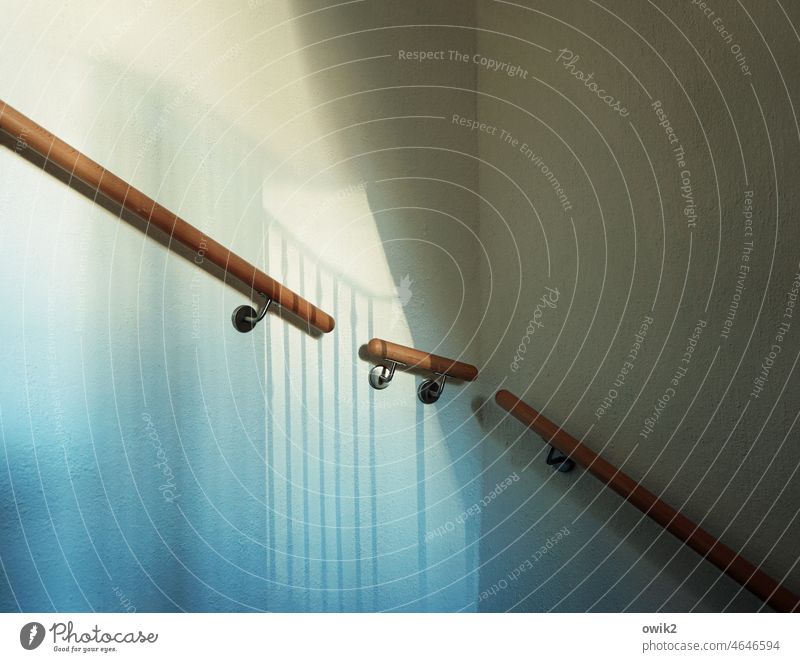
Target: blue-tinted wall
153	458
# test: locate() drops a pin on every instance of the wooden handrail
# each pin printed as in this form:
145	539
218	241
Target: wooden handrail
28	134
414	358
738	568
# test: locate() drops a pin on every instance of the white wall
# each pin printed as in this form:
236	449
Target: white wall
154	458
624	252
298	487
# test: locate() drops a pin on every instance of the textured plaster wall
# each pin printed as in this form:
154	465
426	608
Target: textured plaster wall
283	481
155	459
623	253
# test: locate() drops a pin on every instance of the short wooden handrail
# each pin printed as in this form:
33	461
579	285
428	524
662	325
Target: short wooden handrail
733	565
414	358
28	134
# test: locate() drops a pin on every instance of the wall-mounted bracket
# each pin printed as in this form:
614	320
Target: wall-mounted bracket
381	375
429	391
245	318
560	462
391	354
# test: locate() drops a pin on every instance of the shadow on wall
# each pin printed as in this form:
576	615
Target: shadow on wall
388	129
402	185
625	257
171	463
203	470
